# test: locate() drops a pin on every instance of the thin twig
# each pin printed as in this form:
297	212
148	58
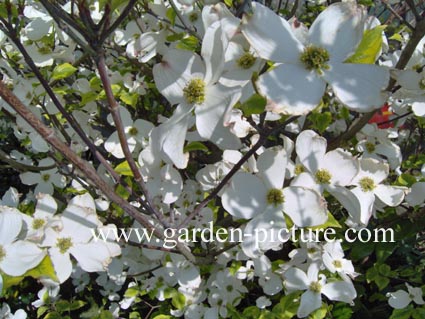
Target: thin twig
395	13
394	119
58	13
412	7
118	21
233	171
173	5
4	157
115	113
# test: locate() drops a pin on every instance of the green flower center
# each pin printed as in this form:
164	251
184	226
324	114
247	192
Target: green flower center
45	177
370	147
315	58
323	176
337	263
194	92
246	60
44	50
38	223
2	253
311	250
367	184
64	244
229	288
193	17
315	286
133	131
275	197
299	168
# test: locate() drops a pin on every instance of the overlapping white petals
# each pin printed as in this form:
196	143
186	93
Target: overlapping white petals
169	138
257	29
264	232
338	29
176	69
311	149
359	86
245	197
271	165
210	116
306	207
282	86
340	291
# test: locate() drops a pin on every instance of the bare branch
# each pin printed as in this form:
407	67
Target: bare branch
114	109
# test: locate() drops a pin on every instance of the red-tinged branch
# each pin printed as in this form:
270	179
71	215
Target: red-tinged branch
50	137
115	112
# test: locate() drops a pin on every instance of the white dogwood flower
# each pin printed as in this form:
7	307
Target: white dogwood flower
44	179
188	80
136	132
314	285
263	199
401	298
16	256
301	68
75	238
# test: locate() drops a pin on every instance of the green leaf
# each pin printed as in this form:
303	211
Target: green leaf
396	37
369	48
233	312
406	180
63	71
254	105
384	250
342	311
195	146
54	315
43	269
95	83
124	169
62	306
88	97
114	4
76	304
41	311
171	15
163	317
116	91
131	292
129	98
418	313
105	314
190	43
178	300
361	250
251	312
175	37
321	121
319	313
287	306
404	313
375	275
135	315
